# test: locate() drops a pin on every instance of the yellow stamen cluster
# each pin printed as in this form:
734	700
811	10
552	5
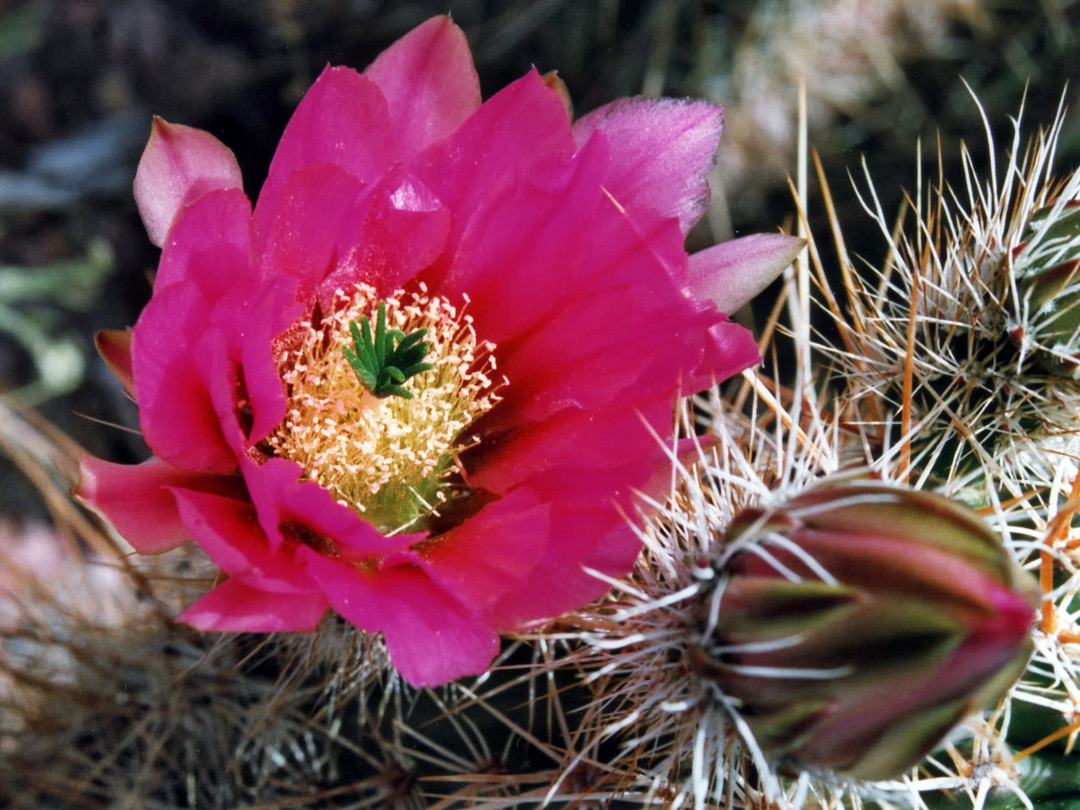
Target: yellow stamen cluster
392	459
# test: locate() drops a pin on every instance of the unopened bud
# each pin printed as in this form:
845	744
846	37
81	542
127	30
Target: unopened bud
858	623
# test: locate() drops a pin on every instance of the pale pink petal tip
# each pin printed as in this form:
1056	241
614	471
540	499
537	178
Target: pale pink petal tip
178	166
661	150
429	83
135	499
732	273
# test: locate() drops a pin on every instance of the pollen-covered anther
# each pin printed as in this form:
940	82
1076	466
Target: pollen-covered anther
392	458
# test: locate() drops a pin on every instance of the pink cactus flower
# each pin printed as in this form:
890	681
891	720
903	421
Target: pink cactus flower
421	382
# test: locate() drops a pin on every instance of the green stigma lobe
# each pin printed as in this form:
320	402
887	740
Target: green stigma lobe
386	359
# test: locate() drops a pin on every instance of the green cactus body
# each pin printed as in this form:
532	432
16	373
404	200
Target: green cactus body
1047	271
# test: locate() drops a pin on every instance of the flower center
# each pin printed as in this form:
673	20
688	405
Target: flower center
389	454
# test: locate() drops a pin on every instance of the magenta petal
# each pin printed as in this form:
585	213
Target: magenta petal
209	246
492	553
732	350
591	510
661	150
301	241
137	499
281	498
475	163
429	83
342	121
219	373
592	352
731	273
230	533
266	318
403	231
629	314
176	412
518	270
178	166
575	438
207	257
585	358
430	637
233	607
584	535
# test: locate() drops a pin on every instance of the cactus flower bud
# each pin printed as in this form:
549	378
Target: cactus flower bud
858	623
1047	269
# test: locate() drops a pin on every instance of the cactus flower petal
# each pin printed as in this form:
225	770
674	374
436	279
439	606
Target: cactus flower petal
661	152
179	165
732	273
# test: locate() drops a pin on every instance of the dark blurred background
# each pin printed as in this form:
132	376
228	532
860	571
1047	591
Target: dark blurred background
80	80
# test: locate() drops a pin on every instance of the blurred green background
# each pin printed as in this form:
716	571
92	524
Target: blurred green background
80	80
